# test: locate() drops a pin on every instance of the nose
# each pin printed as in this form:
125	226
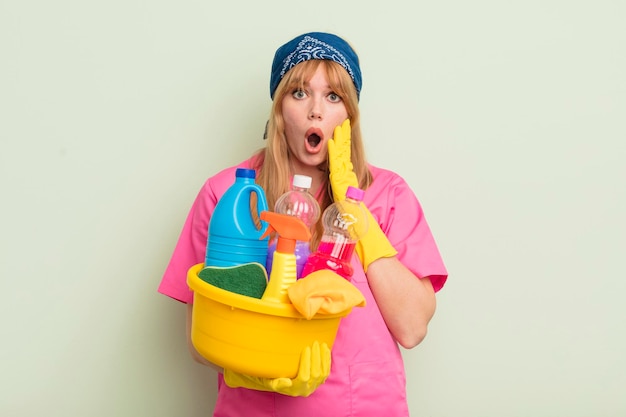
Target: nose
315	113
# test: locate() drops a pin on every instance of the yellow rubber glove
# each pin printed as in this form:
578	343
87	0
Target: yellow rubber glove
340	162
313	371
374	244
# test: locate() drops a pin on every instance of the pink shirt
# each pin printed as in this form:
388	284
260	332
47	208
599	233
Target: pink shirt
367	372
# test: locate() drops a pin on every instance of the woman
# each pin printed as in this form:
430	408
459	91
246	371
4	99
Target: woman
314	130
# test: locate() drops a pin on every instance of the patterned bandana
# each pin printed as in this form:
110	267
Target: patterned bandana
315	45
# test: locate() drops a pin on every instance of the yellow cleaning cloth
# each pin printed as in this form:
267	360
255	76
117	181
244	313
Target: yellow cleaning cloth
324	292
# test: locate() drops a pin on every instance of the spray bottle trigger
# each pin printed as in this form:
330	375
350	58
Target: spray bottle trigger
269	228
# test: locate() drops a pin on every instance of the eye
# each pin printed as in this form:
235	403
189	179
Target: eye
333	97
299	94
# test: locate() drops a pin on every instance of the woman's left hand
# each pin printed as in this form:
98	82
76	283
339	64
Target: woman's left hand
342	175
374	244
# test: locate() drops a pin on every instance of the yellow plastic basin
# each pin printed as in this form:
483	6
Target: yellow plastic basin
252	336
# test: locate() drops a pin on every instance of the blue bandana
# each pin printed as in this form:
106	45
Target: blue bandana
315	45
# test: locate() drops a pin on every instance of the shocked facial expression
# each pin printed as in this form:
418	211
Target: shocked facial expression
311	115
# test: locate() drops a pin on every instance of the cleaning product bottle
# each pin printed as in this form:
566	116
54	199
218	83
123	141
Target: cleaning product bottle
290	229
234	237
297	202
344	223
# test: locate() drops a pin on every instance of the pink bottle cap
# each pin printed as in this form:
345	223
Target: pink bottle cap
355	193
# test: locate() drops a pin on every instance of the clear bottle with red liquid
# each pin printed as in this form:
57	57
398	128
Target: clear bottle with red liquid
344	223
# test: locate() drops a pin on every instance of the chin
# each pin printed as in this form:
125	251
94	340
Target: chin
317	163
310	165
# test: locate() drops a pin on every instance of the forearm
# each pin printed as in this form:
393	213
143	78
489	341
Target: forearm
192	350
406	302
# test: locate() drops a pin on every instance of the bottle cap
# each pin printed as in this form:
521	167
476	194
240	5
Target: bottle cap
302	181
355	193
245	173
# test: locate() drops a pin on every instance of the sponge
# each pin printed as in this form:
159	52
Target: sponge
248	279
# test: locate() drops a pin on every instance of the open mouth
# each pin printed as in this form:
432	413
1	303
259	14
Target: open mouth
313	140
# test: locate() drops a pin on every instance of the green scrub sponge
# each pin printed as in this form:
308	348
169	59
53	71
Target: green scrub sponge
247	279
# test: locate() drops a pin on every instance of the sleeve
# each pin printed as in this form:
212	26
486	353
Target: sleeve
402	220
191	246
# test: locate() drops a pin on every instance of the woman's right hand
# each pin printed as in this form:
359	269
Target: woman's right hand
313	371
